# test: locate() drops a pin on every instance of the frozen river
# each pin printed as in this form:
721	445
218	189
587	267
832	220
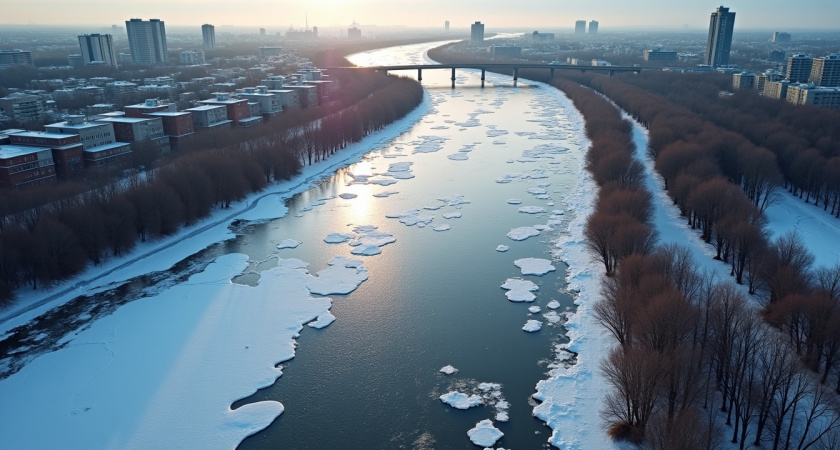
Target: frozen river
428	227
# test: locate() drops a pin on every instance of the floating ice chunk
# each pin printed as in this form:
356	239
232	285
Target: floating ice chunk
534	309
384	182
558	212
510	161
428	144
532	326
502	248
543	228
452	215
412	217
532	209
552	317
448	369
503	180
458	157
519	290
514	201
443	227
348	195
484	434
522	233
433	207
373	238
323	320
554	304
287	243
342	276
459	400
534	266
366	250
542	197
454	200
496	133
385	194
536	191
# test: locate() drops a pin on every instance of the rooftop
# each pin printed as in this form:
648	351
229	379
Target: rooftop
12	151
44	134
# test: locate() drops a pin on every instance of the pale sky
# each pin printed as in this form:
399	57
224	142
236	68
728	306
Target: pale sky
279	15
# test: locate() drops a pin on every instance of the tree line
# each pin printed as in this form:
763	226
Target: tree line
691	347
51	234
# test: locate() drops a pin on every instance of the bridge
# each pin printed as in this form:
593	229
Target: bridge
493	67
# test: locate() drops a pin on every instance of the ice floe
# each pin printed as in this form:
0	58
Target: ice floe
287	243
554	304
342	276
337	238
514	201
485	434
448	370
502	248
412	217
458	157
534	309
552	317
443	227
522	233
324	319
452	215
534	266
519	290
385	194
532	209
348	195
532	326
459	400
366	250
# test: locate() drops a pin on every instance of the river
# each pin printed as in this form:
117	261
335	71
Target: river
477	164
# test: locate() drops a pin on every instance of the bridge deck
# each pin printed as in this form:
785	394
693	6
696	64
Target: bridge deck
495	66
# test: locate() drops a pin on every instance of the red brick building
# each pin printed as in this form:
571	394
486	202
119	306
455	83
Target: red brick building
66	149
23	166
237	108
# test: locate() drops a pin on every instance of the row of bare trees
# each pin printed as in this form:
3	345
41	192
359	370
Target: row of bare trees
805	140
620	225
52	234
691	348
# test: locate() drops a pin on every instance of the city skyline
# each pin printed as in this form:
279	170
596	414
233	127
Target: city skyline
615	14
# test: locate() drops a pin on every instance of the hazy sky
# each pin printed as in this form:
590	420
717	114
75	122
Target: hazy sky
279	15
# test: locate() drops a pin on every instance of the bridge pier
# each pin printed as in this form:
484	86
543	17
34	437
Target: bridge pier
482	77
453	78
515	75
420	75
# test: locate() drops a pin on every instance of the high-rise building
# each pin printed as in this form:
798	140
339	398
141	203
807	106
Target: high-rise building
719	42
262	32
799	68
208	32
593	27
780	36
354	33
147	41
580	27
826	71
98	49
10	57
446	26
477	33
